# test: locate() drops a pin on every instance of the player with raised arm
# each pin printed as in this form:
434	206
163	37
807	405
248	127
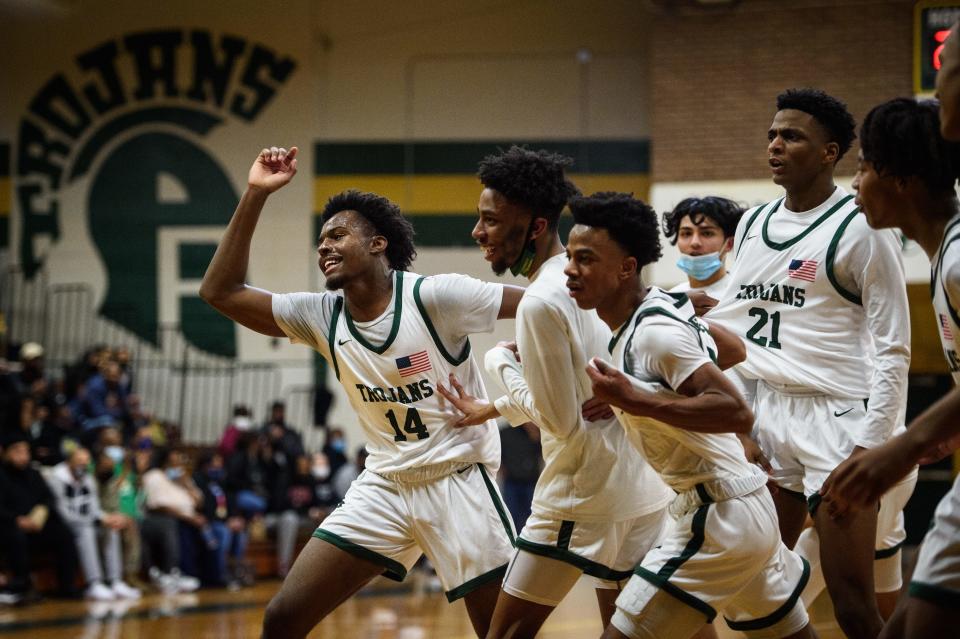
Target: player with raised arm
388	336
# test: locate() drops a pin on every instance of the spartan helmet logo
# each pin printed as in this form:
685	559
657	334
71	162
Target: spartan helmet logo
128	210
120	139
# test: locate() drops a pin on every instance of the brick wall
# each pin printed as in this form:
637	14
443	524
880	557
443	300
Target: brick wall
715	76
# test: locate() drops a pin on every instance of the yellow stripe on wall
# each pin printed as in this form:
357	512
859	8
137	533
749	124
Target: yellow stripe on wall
5	194
426	194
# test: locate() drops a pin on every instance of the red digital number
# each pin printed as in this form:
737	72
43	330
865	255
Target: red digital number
941	37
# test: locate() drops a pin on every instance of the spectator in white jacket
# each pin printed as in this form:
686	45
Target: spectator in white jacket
94	530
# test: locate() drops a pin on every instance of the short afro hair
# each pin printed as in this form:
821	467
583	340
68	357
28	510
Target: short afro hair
532	179
726	213
385	218
630	222
831	113
902	138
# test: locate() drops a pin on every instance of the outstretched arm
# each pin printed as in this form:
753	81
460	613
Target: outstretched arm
224	286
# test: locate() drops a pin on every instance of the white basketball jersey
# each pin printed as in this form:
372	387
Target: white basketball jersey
945	308
682	458
393	388
801	327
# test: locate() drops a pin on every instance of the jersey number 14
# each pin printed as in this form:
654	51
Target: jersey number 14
412	424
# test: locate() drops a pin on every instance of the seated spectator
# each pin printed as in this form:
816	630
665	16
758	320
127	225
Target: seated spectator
226	565
335	448
348	472
327	498
119	492
286	442
171	521
94	530
106	398
58	436
239	424
300	510
247	476
32	378
29	522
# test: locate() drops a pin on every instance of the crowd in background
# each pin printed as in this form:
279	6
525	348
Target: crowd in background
89	479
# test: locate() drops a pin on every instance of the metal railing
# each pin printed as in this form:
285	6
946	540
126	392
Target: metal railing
176	381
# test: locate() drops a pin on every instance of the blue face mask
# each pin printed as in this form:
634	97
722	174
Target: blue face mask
174	473
338	445
115	453
700	267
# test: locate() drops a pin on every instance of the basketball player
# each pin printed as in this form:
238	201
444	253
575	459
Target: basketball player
906	179
702	228
821	301
725	550
388	335
598	507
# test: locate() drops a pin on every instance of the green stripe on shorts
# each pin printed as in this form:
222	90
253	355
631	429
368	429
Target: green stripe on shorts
469	586
392	569
779	613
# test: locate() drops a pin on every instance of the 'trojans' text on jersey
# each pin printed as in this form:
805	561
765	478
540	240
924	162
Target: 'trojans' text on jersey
404	394
783	293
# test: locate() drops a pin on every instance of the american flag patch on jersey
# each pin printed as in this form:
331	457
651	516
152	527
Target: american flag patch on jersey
413	364
945	326
803	270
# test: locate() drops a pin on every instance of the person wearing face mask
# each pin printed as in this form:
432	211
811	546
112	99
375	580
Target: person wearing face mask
335	448
119	493
702	229
171	522
322	472
224	565
240	424
94	530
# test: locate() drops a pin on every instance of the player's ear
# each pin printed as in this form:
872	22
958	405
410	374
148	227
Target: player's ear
727	245
628	267
378	244
538	227
831	153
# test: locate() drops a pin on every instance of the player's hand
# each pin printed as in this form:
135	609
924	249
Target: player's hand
609	385
860	480
273	168
701	302
594	409
754	453
510	346
475	410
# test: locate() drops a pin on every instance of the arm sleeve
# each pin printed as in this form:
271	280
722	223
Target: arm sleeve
667	351
874	264
460	306
304	317
546	343
516	406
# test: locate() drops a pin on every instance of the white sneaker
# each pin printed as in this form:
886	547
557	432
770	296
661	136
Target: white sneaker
163	582
99	592
125	591
185	583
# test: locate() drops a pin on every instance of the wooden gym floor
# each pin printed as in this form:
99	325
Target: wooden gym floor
382	611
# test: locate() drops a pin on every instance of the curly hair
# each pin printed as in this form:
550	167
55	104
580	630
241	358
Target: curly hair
386	219
830	112
533	179
902	138
726	213
631	223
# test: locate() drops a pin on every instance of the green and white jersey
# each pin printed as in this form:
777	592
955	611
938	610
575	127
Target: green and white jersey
390	366
662	344
820	300
590	473
945	291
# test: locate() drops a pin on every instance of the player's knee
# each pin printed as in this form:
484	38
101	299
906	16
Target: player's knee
279	619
